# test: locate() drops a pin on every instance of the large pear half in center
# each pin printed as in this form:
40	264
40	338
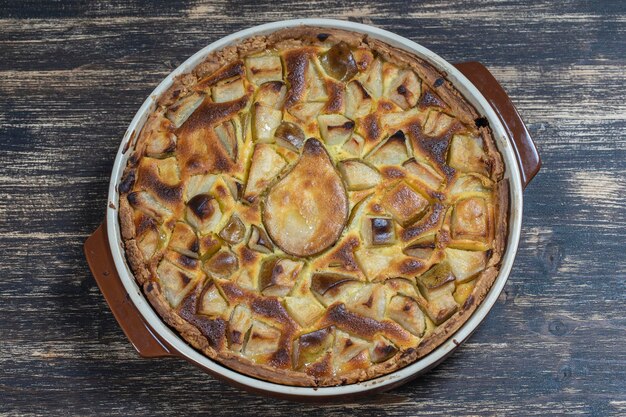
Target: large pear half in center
306	211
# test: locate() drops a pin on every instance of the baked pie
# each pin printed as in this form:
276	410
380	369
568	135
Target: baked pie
314	207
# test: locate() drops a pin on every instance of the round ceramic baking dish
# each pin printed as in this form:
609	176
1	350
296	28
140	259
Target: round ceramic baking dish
151	337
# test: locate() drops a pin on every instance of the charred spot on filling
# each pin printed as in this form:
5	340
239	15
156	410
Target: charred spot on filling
186	261
410	266
336	97
392	172
468	303
281	358
430	99
271	308
402	90
322	37
127	182
248	257
236	69
200	206
184	278
438	82
372	127
209	113
427	222
481	122
436	148
296	63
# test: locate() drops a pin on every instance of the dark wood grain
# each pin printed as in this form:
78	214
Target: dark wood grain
72	75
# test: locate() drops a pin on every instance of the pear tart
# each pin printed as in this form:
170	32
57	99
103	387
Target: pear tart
314	207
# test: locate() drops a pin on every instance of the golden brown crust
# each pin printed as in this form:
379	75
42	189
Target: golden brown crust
197	139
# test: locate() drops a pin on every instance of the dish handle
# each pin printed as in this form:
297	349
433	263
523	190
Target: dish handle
525	149
137	330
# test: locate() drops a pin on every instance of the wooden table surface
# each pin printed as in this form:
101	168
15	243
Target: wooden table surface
72	75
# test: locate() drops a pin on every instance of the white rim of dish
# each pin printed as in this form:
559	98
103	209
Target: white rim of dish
469	91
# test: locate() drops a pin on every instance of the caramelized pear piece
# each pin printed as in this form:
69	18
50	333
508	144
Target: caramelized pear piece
238	327
349	352
391	152
382	349
199	184
372	79
358	175
272	94
304	309
211	302
278	276
306	111
179	112
470	219
290	136
354	145
175	283
436	278
323	282
338	62
437	286
358	100
223	264
309	347
378	231
263	339
425	173
184	240
259	241
266	120
266	164
234	186
306	211
203	213
406	312
143	201
405	89
264	68
404	203
228	91
437	123
234	230
467	154
466	264
422	249
227	134
161	144
335	128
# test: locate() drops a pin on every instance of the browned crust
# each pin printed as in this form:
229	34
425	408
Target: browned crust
304	36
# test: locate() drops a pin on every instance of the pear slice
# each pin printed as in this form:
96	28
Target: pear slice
306	111
391	152
306	211
358	175
266	164
179	112
335	128
264	68
272	94
359	102
466	264
266	120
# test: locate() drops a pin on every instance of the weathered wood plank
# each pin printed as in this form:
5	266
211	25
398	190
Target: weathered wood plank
73	74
